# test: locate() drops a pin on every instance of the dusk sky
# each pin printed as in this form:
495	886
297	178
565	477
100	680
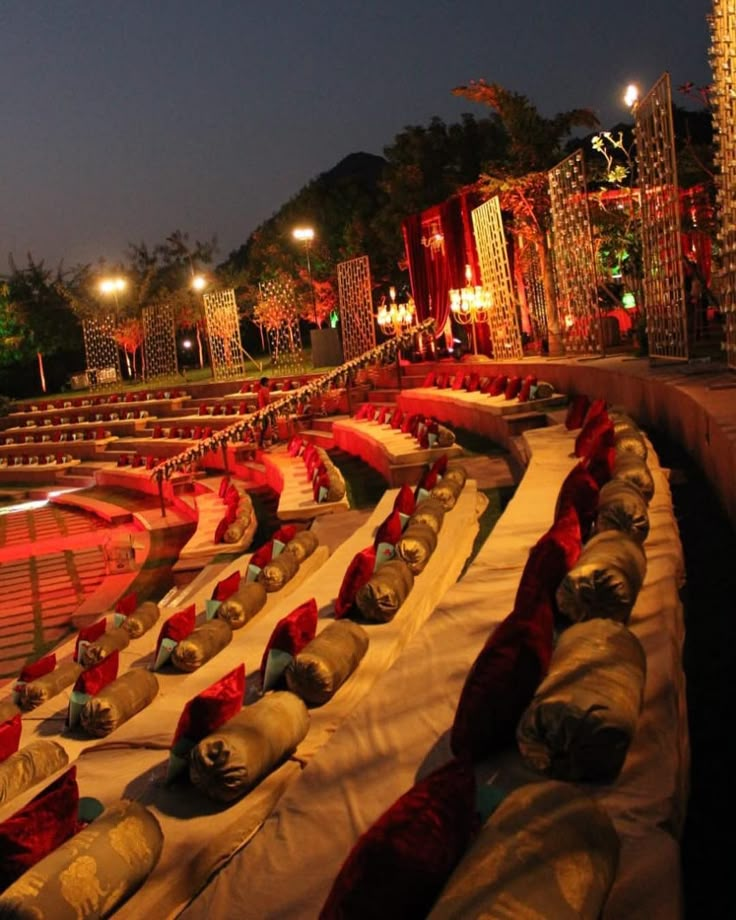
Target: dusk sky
123	120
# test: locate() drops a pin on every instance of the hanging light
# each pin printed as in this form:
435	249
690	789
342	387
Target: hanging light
395	318
471	304
434	240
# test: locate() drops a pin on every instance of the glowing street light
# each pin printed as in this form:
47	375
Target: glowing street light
199	282
306	235
631	96
113	286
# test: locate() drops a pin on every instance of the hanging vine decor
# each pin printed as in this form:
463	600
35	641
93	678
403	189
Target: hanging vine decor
356	306
223	330
101	351
159	341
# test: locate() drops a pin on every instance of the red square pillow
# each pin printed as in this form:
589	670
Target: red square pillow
89	634
440	381
219	534
400	864
96	678
429	379
485	384
177	627
577	411
285	534
396	418
357	574
425	485
262	555
602	456
513	387
439	467
224	486
37	668
210	709
10	731
590	433
473	382
499	385
458	380
405	502
227	587
596	408
500	685
292	633
579	490
381	416
127	604
525	392
47	821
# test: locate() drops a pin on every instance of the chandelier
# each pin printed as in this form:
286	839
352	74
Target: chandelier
394	318
470	305
434	240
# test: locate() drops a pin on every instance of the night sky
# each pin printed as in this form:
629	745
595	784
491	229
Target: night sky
123	120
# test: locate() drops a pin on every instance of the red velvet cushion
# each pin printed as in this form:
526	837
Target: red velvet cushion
295	445
389	530
405	502
439	467
177	627
227	587
472	383
590	433
357	574
406	425
427	482
224	486
579	490
38	668
400	864
262	555
309	451
576	412
89	634
458	380
512	388
47	821
429	379
285	534
10	731
500	685
485	384
597	407
126	605
602	456
292	633
381	415
93	679
499	385
396	418
529	381
440	380
220	530
321	482
211	708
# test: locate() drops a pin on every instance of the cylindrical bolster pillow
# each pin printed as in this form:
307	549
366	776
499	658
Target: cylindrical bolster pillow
325	663
445	437
548	850
336	488
8	711
605	580
456	474
43	688
380	598
242	606
227	763
114	640
303	545
429	511
201	645
28	766
621	506
118	702
416	545
544	390
634	469
93	872
142	619
274	574
583	716
447	492
622	422
630	441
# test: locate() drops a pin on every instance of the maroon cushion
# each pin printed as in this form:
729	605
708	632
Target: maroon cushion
602	456
579	490
220	530
94	679
590	433
529	381
405	502
10	731
389	530
262	555
224	486
38	668
396	418
440	381
458	380
47	821
597	407
499	385
211	708
227	587
285	534
429	379
427	482
89	634
400	864
501	684
381	415
472	383
357	574
177	627
292	633
512	388
485	384
576	412
439	467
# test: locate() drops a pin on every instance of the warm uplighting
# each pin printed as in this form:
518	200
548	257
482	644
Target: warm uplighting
631	97
303	234
199	282
470	305
395	318
112	285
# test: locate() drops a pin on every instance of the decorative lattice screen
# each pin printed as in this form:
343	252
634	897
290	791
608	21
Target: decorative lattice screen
356	307
223	330
664	283
278	312
101	351
159	341
531	277
574	256
723	62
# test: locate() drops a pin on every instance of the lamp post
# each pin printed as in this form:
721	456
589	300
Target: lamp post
306	235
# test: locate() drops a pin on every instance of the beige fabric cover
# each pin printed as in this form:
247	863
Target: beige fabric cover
544	390
447	492
93	872
8	711
230	761
430	511
416	545
583	716
118	702
274	574
201	645
445	437
242	606
323	666
336	488
33	763
143	618
630	441
634	469
606	579
383	594
43	688
456	474
621	506
114	640
303	545
548	851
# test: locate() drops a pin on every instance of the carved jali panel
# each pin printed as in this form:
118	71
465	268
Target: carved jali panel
278	312
101	351
356	307
223	330
159	341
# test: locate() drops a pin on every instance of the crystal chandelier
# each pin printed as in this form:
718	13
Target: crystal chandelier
470	305
395	318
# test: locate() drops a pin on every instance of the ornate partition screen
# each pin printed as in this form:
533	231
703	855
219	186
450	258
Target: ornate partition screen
529	271
159	341
278	313
490	240
356	307
575	272
101	351
723	62
223	329
664	282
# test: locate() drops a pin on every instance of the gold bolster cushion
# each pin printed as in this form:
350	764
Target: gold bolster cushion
445	437
324	665
456	474
380	598
544	390
230	761
303	545
44	688
634	469
548	850
630	441
143	618
114	640
429	511
621	506
275	574
606	579
201	645
242	606
30	765
583	716
119	701
416	545
93	872
622	422
447	492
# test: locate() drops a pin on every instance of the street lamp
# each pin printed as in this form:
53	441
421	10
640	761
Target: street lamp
306	235
199	282
113	286
631	96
